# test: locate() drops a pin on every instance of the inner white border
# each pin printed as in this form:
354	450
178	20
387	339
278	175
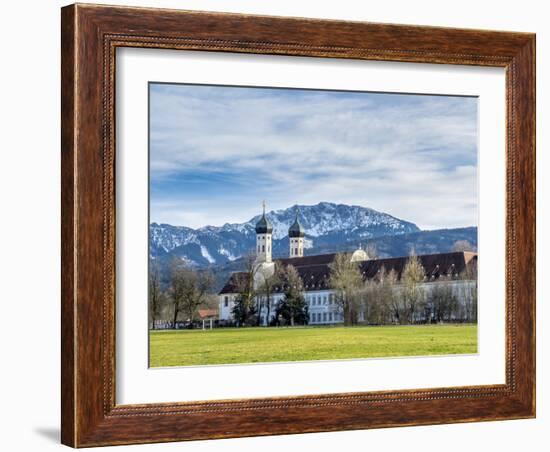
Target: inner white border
135	383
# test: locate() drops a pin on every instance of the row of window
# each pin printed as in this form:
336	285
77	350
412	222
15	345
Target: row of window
318	300
318	318
323	317
312	300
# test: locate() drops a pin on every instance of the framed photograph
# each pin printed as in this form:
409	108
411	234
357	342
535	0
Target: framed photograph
281	225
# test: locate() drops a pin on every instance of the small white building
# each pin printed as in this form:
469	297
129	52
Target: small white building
315	273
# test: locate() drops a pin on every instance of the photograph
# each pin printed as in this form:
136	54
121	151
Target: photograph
292	224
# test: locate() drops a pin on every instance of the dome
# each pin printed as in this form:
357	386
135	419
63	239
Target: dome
359	255
296	229
263	226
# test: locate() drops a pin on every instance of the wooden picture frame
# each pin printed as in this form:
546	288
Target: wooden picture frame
90	36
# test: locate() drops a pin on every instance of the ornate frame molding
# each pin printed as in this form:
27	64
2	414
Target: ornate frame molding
90	37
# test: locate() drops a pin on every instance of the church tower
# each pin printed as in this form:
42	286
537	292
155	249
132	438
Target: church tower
263	239
296	234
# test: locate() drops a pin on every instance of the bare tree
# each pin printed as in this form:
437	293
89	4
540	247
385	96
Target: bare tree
371	251
469	290
210	302
391	305
380	297
346	280
177	290
443	302
155	294
200	296
413	294
268	280
244	308
463	245
188	290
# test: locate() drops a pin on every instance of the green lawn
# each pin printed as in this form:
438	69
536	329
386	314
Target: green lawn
260	345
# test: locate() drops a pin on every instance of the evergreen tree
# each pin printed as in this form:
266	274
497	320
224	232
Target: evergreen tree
293	308
244	310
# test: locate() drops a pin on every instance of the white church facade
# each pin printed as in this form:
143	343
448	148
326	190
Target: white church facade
315	274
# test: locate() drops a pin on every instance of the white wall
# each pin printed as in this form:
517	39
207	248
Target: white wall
29	183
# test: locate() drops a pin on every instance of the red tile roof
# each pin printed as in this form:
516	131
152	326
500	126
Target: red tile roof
205	313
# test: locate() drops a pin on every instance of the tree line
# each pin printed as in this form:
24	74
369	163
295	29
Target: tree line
383	299
180	298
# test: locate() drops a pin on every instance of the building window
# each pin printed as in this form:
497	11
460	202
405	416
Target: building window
263	248
324	316
226	301
258	248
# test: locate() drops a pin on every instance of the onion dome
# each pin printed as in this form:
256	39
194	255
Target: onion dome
263	226
296	229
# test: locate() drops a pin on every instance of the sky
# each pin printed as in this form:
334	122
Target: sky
217	152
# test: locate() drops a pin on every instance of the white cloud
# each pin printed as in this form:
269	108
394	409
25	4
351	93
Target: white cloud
412	156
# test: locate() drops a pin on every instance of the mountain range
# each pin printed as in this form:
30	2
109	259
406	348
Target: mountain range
329	227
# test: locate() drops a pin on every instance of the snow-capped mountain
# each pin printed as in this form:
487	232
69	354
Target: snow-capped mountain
326	224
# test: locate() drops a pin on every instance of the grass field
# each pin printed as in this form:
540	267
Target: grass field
260	345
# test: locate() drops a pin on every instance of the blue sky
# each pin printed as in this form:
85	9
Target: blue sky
216	152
